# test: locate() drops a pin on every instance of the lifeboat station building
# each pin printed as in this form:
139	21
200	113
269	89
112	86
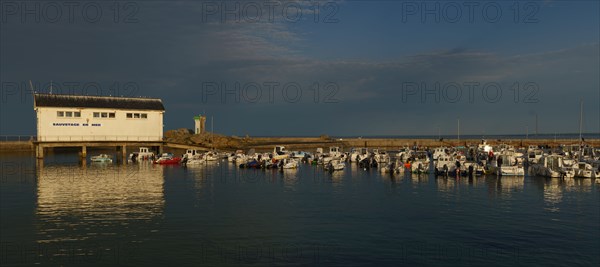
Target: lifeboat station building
76	120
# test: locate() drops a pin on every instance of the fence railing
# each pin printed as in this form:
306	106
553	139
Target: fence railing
62	138
17	138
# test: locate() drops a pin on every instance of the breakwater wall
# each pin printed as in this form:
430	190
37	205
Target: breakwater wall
306	143
10	146
299	143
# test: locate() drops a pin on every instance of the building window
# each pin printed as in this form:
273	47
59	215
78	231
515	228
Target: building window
111	115
77	114
144	116
136	115
69	114
129	115
96	114
104	115
60	114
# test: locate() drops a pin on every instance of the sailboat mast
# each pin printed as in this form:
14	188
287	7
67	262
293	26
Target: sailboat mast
458	132
580	119
536	124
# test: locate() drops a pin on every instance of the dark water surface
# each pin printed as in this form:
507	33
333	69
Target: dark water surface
63	213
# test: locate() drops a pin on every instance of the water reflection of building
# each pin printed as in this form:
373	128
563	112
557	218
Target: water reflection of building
77	203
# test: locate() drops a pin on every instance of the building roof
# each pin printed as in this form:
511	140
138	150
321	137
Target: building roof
108	102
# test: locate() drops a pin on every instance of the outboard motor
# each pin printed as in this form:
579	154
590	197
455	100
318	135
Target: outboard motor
373	163
364	163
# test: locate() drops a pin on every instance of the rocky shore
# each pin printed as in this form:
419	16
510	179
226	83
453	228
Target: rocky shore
221	142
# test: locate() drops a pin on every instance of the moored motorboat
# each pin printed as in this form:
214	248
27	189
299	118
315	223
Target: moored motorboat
585	170
167	158
279	152
335	165
551	166
102	158
290	163
144	153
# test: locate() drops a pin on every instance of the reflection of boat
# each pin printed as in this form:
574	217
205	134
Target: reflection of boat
167	158
393	167
102	158
193	161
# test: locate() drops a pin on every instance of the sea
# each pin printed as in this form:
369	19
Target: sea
62	212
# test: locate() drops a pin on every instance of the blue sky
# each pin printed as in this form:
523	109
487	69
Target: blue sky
364	62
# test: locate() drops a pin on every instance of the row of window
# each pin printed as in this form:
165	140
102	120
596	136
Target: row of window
104	114
112	115
69	114
137	115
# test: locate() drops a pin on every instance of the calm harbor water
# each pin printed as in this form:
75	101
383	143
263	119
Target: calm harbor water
63	213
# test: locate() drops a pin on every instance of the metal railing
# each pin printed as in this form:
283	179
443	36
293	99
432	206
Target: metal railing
87	138
17	138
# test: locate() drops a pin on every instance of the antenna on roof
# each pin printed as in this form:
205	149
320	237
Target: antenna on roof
50	86
31	86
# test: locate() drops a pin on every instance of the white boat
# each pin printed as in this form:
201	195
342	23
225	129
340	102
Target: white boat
290	163
420	166
299	154
237	156
191	153
335	165
419	162
102	158
404	154
357	155
551	166
333	154
381	156
447	164
279	152
533	156
585	170
143	154
439	151
337	153
210	156
484	147
512	163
